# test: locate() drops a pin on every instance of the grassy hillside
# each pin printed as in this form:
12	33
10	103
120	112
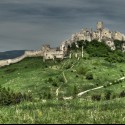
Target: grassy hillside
41	80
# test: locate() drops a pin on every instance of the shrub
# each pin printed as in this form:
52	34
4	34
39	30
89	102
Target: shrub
25	67
89	76
73	47
96	97
45	93
49	96
82	70
77	76
61	79
118	44
122	94
114	95
50	80
8	97
55	84
116	56
99	80
68	66
97	49
107	95
46	66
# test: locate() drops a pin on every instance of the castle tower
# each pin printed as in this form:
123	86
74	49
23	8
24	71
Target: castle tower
100	27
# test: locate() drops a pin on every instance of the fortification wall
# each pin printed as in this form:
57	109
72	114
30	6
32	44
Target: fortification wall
11	61
3	63
18	59
33	53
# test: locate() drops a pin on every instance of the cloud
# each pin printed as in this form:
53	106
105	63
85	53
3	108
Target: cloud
27	24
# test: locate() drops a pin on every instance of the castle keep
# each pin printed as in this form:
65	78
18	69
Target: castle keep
101	34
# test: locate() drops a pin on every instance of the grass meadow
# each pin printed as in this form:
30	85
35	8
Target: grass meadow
72	76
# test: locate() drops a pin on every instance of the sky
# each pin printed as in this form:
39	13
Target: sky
29	24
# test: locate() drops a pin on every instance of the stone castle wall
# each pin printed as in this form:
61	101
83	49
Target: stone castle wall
18	59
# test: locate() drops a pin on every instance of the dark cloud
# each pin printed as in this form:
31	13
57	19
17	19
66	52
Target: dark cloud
27	24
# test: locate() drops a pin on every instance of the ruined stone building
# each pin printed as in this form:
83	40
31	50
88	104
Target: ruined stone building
101	34
52	53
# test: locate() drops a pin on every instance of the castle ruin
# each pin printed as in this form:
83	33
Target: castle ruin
101	34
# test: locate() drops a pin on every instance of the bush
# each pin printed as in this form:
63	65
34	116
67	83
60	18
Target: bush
100	49
61	79
55	84
116	56
114	95
77	76
96	97
8	97
122	94
46	66
50	80
107	95
89	76
45	93
118	44
73	47
97	49
68	66
82	70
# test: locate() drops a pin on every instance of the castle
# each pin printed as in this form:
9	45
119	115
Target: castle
101	34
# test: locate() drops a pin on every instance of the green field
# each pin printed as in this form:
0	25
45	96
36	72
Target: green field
42	79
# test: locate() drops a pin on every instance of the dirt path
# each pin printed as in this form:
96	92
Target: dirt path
82	93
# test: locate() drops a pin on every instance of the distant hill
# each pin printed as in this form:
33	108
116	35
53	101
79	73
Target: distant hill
11	54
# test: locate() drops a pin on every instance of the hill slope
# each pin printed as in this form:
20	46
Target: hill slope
48	82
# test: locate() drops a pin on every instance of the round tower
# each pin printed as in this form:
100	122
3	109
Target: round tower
100	25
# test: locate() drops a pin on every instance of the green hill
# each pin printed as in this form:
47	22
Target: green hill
49	82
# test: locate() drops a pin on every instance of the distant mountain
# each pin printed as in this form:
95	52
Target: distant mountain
11	54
